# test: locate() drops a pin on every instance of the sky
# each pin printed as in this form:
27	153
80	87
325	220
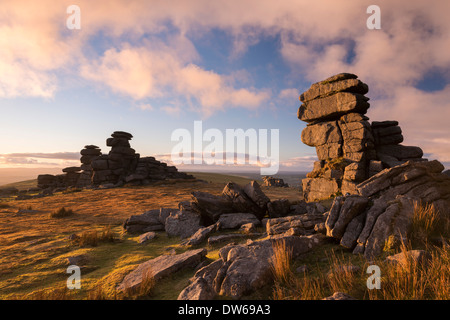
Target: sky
152	67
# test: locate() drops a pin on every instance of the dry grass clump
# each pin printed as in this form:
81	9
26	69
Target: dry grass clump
415	280
425	222
281	262
93	238
62	213
60	293
286	285
145	289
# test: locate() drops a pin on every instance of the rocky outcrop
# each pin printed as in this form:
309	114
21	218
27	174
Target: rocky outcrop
384	207
349	148
274	182
122	165
235	199
242	269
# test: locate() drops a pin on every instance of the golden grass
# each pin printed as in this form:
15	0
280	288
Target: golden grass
281	262
415	280
425	221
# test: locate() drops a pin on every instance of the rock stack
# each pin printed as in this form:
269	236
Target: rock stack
348	147
121	165
274	182
388	136
334	110
120	162
88	154
72	175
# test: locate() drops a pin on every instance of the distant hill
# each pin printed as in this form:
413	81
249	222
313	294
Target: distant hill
13	175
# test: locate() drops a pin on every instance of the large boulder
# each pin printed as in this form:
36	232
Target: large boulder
145	222
240	201
161	267
254	192
242	269
332	107
345	82
211	206
236	220
182	223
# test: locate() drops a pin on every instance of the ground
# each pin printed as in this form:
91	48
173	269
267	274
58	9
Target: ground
34	246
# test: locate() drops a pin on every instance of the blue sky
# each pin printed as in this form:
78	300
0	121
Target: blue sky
152	67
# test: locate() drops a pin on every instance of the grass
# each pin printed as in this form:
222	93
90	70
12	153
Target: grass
329	272
34	249
427	223
62	213
92	237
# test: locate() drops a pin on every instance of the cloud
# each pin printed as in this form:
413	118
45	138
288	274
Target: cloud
303	163
62	159
150	52
156	71
55	155
289	94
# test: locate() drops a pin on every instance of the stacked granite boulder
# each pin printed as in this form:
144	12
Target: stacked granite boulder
120	166
388	136
121	160
348	147
334	110
88	154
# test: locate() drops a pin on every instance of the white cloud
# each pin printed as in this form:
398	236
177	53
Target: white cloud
149	72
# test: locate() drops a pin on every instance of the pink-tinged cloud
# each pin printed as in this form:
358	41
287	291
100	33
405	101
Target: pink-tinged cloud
158	72
317	39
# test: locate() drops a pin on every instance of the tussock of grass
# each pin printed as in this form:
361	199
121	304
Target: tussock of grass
62	213
93	238
412	280
281	262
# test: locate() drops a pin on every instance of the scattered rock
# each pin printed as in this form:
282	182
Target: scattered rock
225	238
148	221
200	235
296	225
144	238
78	260
236	220
248	228
199	289
414	257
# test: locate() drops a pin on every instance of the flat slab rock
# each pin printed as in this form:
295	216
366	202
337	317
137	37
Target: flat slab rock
161	267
